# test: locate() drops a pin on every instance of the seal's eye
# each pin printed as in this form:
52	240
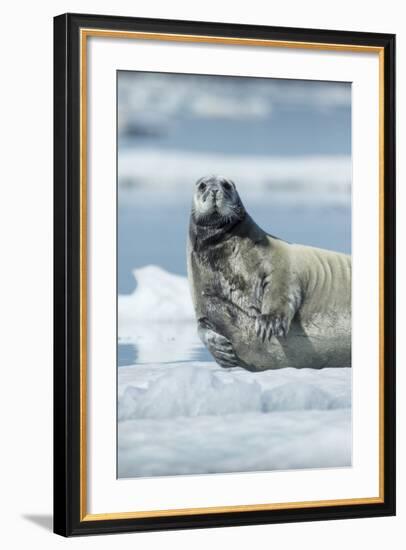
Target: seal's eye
226	186
202	187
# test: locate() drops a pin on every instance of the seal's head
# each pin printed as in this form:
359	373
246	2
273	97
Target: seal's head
216	202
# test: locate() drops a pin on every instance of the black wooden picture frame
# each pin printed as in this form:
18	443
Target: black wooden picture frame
69	516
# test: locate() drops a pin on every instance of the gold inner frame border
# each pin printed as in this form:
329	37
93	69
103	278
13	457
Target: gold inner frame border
173	37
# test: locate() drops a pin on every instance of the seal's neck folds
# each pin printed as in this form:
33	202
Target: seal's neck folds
210	234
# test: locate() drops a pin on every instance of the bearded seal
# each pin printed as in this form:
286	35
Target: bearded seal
261	302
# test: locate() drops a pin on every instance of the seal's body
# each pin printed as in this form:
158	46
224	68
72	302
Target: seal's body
262	303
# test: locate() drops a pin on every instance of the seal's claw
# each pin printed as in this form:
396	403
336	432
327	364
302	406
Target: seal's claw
257	326
225	359
267	326
224	345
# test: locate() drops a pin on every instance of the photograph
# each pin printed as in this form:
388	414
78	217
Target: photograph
234	225
200	254
224	274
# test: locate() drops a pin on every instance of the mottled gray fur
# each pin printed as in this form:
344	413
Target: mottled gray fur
262	303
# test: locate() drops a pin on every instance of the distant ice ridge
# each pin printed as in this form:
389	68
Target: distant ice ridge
199	419
158	317
307	178
160	296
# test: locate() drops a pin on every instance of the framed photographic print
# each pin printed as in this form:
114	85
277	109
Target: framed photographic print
224	274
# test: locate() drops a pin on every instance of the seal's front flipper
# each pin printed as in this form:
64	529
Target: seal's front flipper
276	303
219	346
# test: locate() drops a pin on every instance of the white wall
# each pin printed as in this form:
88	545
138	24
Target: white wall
26	276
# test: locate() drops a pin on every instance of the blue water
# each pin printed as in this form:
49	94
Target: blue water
282	134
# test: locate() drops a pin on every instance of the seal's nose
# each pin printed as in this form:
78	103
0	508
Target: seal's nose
214	192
